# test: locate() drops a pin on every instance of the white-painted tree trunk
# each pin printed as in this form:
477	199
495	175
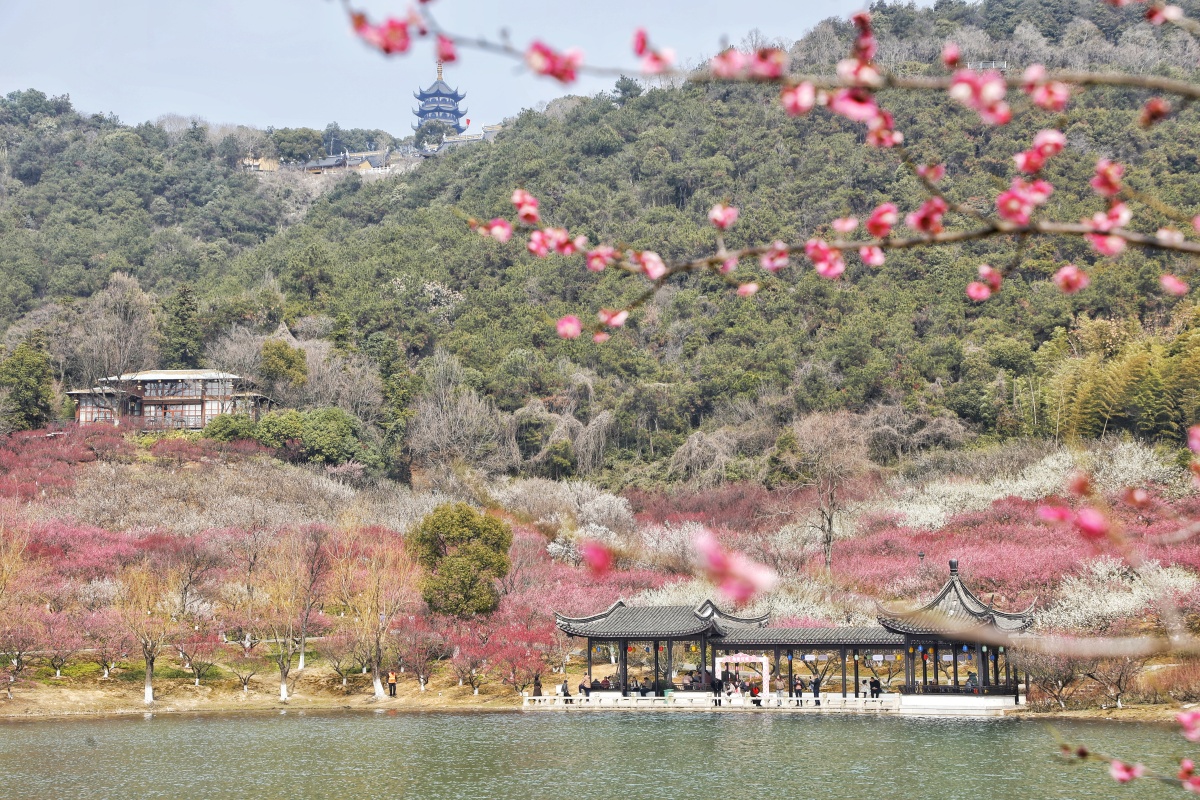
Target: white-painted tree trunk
245	688
105	670
197	681
378	684
300	665
283	692
476	690
58	673
343	681
422	684
149	694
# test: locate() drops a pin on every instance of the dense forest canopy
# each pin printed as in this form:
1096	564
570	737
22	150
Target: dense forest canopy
379	278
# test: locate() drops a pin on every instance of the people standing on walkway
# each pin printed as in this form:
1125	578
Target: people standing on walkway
565	691
391	682
537	686
816	689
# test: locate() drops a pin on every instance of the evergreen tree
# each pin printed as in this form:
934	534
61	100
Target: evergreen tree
183	339
464	553
26	376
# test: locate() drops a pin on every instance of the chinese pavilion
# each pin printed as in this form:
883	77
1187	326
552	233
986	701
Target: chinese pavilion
440	103
954	632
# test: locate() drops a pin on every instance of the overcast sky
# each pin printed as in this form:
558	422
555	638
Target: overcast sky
295	62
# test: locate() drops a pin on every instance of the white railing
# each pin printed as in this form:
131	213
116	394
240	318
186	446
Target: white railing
834	703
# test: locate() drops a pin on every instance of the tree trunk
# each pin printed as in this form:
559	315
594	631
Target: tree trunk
105	671
376	681
343	680
197	681
58	672
149	695
284	669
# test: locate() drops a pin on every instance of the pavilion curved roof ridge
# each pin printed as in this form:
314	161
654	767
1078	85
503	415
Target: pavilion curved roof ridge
591	617
709	609
942	611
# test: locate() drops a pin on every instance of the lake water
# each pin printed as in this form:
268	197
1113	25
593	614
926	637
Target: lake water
582	756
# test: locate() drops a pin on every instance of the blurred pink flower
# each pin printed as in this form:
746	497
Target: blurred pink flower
723	216
736	576
1173	285
1124	773
569	327
1071	279
596	557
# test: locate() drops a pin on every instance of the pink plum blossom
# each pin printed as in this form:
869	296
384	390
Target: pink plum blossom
657	62
1124	773
928	218
983	91
600	337
881	131
445	49
651	263
613	318
798	99
991	276
854	104
539	244
931	172
1071	279
978	291
543	60
951	55
1049	142
827	260
845	224
596	557
882	219
775	258
1171	284
1104	244
1055	513
723	216
769	63
729	64
1194	439
1158	14
601	257
1092	524
1045	94
1107	180
747	290
641	42
871	256
390	36
1155	110
569	327
1030	161
728	266
736	576
499	229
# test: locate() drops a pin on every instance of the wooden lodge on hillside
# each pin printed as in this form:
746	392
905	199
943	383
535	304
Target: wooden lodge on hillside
168	399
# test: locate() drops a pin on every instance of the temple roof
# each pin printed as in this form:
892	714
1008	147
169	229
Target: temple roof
439	88
620	621
847	635
955	611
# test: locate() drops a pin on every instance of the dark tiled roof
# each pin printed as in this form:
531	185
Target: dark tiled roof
850	636
620	621
955	611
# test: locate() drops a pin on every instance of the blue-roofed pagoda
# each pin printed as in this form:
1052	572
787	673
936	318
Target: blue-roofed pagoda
440	103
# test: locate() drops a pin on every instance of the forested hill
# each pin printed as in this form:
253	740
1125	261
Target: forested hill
388	270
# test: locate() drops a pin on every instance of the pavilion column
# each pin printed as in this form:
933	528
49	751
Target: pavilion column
843	649
984	667
778	671
924	669
791	674
996	666
656	667
670	665
935	651
589	649
954	661
624	667
856	672
703	658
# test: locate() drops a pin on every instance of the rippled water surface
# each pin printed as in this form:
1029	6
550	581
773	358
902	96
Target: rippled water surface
585	756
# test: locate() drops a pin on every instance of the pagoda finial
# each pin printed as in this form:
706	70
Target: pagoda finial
439	65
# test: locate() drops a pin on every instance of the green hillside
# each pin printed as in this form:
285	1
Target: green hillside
388	273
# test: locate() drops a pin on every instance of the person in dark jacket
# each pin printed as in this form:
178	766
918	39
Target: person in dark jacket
816	689
537	686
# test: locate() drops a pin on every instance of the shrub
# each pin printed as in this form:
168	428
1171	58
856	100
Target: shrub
330	436
230	428
280	427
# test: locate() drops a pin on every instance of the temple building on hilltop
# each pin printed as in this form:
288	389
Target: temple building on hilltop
440	103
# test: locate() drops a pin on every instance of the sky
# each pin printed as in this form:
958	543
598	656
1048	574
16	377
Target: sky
288	63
